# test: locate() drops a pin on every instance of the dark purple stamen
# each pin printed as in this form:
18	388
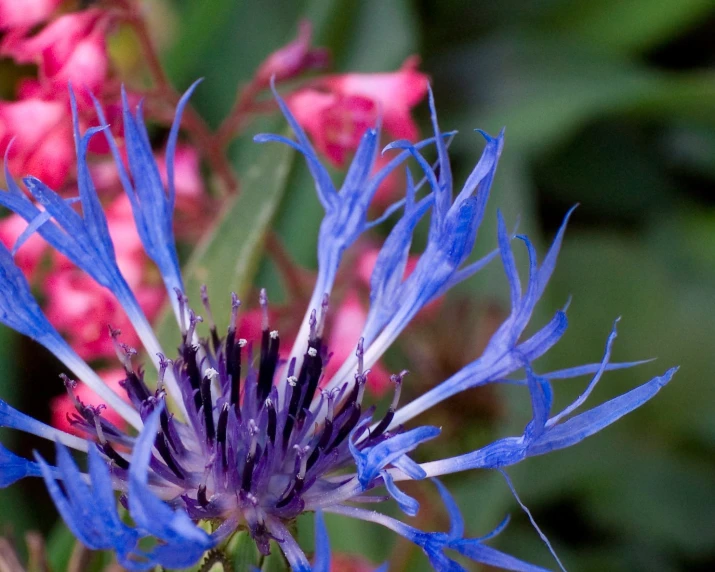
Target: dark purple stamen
270	343
162	446
201	496
221	434
207	406
120	461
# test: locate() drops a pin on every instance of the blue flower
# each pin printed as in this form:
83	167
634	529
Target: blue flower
222	440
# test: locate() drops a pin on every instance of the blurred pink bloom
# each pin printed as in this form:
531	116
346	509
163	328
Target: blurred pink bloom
43	144
131	258
293	58
334	121
29	254
25	13
70	49
346	327
344	106
62	406
84	310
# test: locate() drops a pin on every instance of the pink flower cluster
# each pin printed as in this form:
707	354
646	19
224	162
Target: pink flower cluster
72	48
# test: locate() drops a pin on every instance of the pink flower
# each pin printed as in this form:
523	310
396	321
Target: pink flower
335	122
293	58
337	113
43	143
346	327
395	93
29	254
62	406
83	310
70	49
25	13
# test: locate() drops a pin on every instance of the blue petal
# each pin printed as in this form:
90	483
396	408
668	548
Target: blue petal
173	137
373	459
324	185
77	508
507	257
322	545
578	428
456	522
184	541
444	196
541	399
14	468
492	557
18	307
407	504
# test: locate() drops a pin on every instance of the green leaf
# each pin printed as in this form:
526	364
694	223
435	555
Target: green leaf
626	25
226	258
60	544
544	89
244	551
275	561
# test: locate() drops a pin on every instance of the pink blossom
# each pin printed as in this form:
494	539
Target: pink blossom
395	93
25	13
62	406
335	122
338	109
29	254
70	49
293	58
83	310
43	144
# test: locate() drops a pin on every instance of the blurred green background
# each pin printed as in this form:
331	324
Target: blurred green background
608	103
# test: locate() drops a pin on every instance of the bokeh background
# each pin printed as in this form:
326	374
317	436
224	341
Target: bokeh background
606	103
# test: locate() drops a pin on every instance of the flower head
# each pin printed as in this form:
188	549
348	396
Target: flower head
232	435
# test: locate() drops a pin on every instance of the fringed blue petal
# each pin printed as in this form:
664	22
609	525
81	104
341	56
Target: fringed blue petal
407	504
14	468
323	184
578	428
456	521
484	554
18	307
543	433
507	257
90	513
371	460
173	138
541	399
322	545
184	542
434	544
